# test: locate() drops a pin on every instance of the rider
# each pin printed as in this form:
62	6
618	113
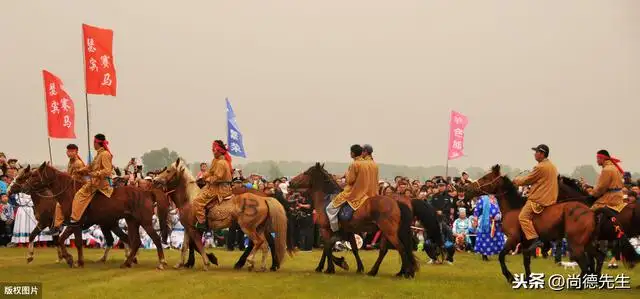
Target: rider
608	191
358	177
75	164
543	192
218	179
367	151
99	172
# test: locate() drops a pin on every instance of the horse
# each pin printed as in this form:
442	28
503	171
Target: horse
44	206
572	190
572	218
391	216
131	203
275	265
255	214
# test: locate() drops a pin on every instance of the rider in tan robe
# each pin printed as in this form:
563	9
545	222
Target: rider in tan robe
608	190
99	172
74	165
543	193
358	178
367	151
218	186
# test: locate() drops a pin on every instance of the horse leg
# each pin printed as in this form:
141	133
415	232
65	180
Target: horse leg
65	253
328	248
34	233
321	263
526	260
382	252
148	227
275	263
58	250
511	244
197	242
354	249
183	251
125	240
243	258
77	234
133	232
108	237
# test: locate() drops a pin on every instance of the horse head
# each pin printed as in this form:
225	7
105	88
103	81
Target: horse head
170	175
40	179
487	184
19	182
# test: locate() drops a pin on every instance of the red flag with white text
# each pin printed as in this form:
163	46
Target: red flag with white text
456	135
100	71
61	112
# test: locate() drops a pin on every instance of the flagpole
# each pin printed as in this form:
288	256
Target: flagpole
86	96
446	167
50	155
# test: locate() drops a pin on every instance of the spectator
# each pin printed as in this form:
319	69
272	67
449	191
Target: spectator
6	220
461	230
4	183
12	173
3	163
443	203
305	222
490	238
203	170
25	221
13	163
632	196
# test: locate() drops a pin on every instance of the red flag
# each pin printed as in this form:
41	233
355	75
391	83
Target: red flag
61	113
100	71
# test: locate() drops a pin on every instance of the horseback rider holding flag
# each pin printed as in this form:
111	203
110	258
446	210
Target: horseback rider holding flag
75	164
543	193
99	172
218	185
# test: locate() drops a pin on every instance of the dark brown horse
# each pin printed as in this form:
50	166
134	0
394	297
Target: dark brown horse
133	204
573	219
44	206
391	216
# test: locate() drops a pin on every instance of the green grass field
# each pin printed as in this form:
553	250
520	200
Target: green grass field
468	278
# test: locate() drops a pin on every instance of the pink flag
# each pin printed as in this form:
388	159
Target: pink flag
456	135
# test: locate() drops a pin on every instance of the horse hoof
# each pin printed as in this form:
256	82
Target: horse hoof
58	261
178	266
510	278
160	267
330	271
102	260
125	265
372	274
135	260
70	263
29	260
237	266
273	269
359	271
318	269
205	268
262	269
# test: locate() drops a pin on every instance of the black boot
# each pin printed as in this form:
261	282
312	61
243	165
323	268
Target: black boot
535	243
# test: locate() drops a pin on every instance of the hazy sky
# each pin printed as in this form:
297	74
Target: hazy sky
309	78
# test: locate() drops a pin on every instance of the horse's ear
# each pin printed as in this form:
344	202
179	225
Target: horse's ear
496	169
42	166
28	168
322	165
177	162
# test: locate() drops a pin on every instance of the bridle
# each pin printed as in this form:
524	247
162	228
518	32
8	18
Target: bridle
29	187
479	187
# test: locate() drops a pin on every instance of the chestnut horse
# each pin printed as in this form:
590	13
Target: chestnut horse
255	214
572	218
44	206
391	216
133	204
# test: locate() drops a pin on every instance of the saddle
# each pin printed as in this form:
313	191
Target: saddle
346	211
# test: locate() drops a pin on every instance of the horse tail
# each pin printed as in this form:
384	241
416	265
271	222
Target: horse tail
163	213
278	220
427	216
404	234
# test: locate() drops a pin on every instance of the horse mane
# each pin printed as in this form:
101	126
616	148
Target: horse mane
572	183
191	189
514	199
329	185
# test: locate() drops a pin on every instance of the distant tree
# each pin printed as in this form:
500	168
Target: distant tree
274	171
588	172
475	172
158	159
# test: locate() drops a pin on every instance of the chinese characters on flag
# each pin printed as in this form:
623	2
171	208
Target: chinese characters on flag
100	72
456	135
60	110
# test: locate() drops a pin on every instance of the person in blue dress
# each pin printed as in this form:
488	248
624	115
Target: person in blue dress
490	239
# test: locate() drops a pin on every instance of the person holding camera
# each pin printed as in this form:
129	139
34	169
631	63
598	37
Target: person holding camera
304	219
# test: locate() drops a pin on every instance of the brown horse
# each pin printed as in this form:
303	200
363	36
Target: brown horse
255	214
44	206
628	220
392	217
131	203
572	218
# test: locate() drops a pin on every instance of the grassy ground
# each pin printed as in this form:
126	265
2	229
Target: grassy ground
468	278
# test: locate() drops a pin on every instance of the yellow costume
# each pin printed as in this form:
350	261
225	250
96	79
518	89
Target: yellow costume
372	189
360	175
74	165
543	193
218	180
609	188
99	171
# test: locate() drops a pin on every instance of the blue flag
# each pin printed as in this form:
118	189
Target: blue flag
234	137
